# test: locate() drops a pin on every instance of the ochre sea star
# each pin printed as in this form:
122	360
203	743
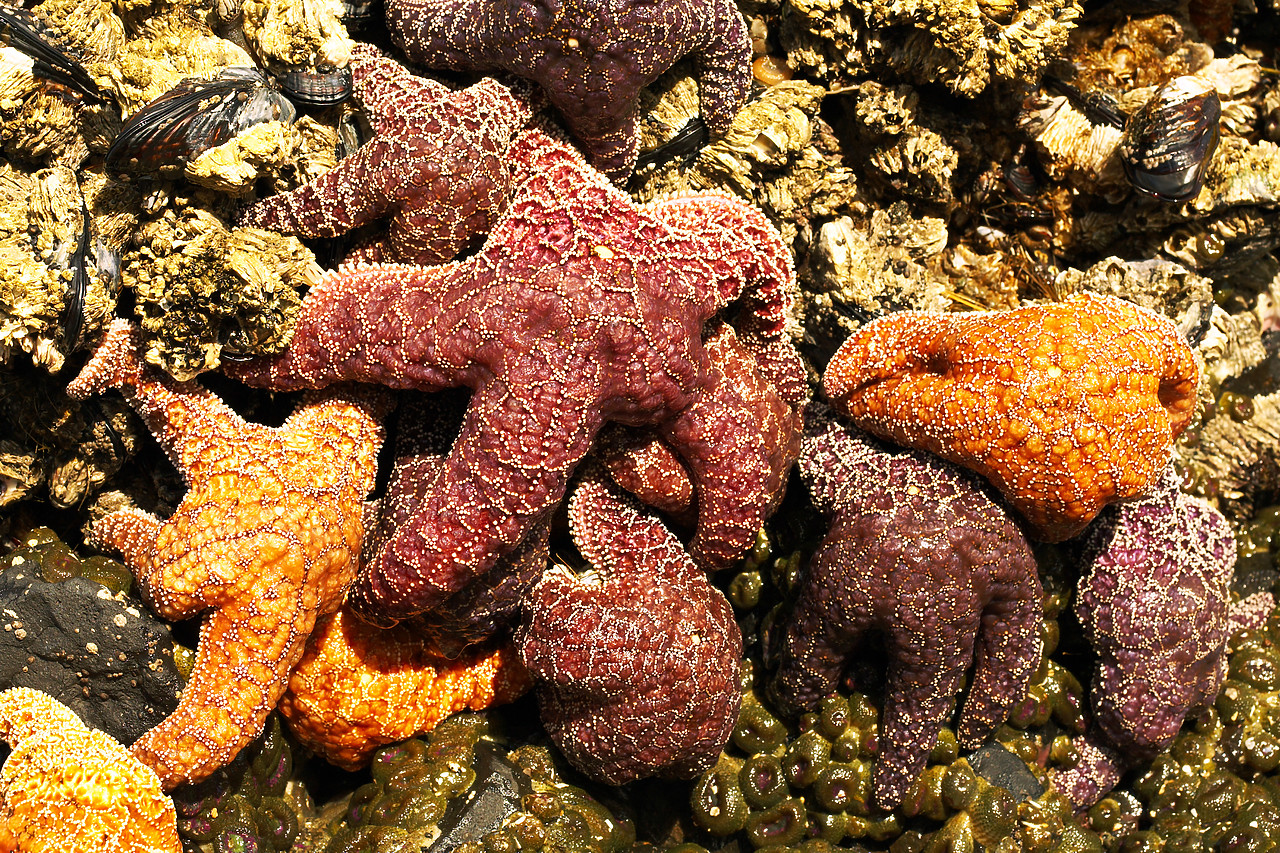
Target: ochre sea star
358	687
581	308
1065	406
1153	601
591	57
920	551
266	540
66	788
434	168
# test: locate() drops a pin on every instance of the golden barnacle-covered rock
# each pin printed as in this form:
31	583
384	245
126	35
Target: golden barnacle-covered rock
776	154
966	45
235	165
296	32
202	288
1164	286
858	269
170	45
57	280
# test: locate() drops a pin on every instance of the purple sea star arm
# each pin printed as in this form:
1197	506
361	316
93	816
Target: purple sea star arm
591	57
721	55
434	167
369	323
490	495
636	664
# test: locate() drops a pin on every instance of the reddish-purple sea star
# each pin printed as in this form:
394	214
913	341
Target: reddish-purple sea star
591	57
920	551
1153	601
739	403
434	169
581	308
636	663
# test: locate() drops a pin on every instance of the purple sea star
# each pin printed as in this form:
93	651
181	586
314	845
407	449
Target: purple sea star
740	402
581	308
919	550
434	169
1153	601
591	57
490	604
636	663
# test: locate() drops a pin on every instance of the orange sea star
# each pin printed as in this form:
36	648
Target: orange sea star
359	687
266	540
1064	407
67	788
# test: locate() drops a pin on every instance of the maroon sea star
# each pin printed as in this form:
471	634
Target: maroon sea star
920	551
489	605
1153	601
434	168
636	664
591	57
580	309
738	403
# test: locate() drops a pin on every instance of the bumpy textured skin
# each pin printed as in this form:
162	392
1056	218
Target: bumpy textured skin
741	406
1065	407
359	687
636	664
1153	601
591	57
580	309
921	552
266	539
66	788
426	426
434	169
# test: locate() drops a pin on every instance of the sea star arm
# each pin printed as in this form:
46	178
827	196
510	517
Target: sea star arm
175	590
355	192
738	441
509	465
367	323
1005	655
187	420
442	33
230	693
722	52
744	259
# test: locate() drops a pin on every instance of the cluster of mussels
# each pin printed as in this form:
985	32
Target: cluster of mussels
584	284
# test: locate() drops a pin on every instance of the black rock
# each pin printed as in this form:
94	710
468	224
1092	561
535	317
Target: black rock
496	793
100	653
1001	767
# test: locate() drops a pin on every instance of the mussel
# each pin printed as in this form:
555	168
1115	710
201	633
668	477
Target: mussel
192	117
324	86
21	30
1168	144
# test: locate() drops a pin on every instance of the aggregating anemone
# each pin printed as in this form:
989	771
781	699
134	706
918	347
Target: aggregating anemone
911	156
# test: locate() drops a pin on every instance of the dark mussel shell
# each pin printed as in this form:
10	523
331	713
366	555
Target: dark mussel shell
192	117
22	30
315	87
1168	144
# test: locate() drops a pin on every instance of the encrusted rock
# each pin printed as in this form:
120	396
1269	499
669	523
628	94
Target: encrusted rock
100	652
